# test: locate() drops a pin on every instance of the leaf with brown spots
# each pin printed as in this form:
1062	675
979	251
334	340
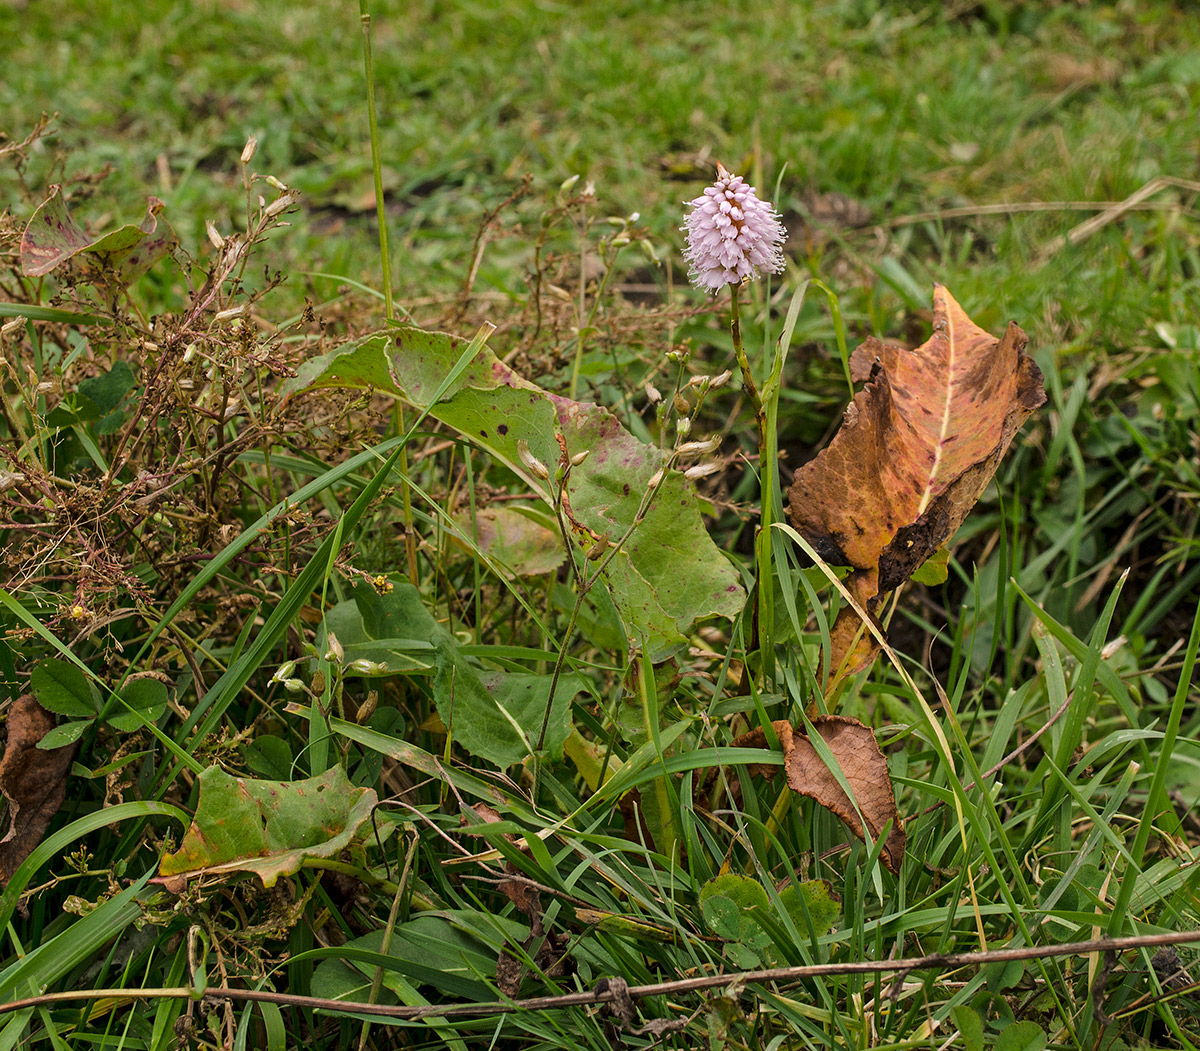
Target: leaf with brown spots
33	780
860	762
916	448
52	237
666	575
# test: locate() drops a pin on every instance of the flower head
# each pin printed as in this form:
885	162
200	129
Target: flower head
731	234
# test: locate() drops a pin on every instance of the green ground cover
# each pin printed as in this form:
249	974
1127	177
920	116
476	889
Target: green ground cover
201	573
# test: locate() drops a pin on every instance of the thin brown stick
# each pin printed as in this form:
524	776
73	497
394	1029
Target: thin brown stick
971	211
1085	229
607	995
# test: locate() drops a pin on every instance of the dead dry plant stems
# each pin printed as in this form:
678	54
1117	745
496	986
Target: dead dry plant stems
1111	213
591	997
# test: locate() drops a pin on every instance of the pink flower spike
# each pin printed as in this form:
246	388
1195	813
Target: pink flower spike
731	234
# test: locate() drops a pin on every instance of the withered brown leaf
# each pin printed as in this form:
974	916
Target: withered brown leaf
865	769
916	448
33	780
862	764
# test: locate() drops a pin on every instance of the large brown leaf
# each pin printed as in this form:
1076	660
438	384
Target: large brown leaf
916	448
33	780
862	765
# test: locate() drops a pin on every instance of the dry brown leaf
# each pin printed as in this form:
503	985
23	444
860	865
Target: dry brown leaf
33	780
854	747
862	764
916	448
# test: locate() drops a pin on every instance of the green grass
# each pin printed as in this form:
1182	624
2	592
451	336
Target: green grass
214	553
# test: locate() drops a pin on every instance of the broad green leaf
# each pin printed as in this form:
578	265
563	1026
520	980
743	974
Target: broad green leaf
728	903
101	394
427	950
668	575
268	827
970	1026
270	756
146	696
62	688
495	715
498	715
1021	1036
411	655
935	570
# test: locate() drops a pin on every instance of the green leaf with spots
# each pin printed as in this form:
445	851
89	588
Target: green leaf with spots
666	577
268	827
729	903
817	898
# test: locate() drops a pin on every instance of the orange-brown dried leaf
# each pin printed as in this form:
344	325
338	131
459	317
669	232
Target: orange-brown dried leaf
33	780
862	764
916	448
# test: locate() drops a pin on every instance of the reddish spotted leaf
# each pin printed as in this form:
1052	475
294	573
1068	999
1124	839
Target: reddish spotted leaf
52	237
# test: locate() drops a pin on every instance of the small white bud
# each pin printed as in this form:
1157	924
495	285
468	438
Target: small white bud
655	478
701	470
684	425
284	671
531	462
579	457
366	667
293	685
272	181
214	235
281	204
568	183
249	150
699	448
334	652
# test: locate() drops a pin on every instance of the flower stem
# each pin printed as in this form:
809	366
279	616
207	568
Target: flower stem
748	384
765	461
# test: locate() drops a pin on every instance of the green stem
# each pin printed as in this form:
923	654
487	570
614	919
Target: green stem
764	450
389	304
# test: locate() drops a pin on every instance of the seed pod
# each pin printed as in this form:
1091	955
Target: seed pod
335	651
598	548
367	708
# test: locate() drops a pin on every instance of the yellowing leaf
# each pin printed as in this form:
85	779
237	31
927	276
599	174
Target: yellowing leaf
268	827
